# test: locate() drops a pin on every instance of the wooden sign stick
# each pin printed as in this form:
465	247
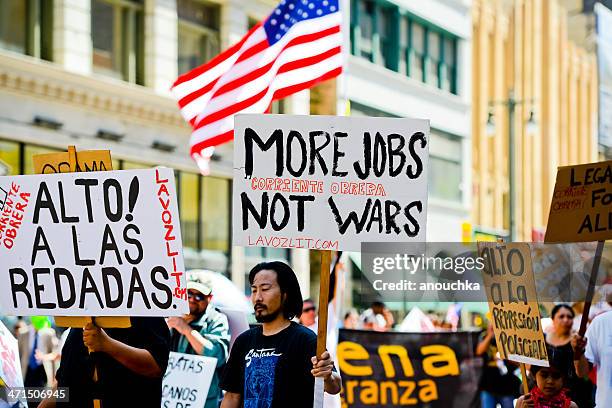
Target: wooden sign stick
591	289
524	376
319	388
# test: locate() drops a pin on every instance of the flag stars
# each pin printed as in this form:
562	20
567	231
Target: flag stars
319	12
273	22
311	6
333	8
277	11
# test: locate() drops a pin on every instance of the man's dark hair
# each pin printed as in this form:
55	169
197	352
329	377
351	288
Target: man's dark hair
309	300
292	306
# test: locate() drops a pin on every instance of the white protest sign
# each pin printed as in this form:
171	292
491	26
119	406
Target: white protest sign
187	380
10	366
328	182
92	244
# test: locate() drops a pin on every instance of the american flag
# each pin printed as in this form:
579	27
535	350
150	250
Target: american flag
297	46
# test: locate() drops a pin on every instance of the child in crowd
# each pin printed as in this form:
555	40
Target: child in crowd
549	391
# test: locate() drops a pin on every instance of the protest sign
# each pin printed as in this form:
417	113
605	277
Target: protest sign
391	369
327	182
581	208
187	380
513	303
69	162
92	244
10	366
86	160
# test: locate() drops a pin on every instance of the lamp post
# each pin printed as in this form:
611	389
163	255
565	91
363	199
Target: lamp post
511	104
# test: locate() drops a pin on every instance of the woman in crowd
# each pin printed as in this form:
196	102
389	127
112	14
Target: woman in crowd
560	341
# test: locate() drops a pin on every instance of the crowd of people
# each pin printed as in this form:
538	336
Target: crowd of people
274	364
579	375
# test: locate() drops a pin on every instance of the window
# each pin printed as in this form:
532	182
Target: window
216	213
117	31
433	57
198	33
448	71
403	46
417	51
384	34
366	25
9	158
388	46
26	27
445	170
189	211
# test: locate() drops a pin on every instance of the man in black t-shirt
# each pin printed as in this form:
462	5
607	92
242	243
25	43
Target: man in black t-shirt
274	365
130	363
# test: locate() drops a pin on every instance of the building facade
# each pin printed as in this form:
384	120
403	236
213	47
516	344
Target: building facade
413	59
521	53
97	74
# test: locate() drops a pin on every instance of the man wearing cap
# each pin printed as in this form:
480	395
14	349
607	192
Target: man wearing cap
204	331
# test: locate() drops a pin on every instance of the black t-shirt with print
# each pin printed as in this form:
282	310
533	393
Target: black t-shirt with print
117	385
272	371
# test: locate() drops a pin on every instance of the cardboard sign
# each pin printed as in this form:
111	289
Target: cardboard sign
513	303
327	182
86	160
581	208
92	244
187	380
10	366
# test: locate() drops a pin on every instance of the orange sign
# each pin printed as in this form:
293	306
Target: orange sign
581	205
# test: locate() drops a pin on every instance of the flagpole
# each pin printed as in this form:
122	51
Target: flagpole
342	104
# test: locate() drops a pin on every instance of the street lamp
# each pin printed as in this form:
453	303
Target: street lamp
531	127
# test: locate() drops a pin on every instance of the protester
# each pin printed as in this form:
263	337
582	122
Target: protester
130	365
498	384
549	390
597	348
274	365
377	318
559	338
308	318
38	345
351	319
204	331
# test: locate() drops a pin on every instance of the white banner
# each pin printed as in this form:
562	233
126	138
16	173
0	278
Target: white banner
187	380
329	182
91	244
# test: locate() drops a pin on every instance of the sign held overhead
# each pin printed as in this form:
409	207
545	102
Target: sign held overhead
92	244
327	182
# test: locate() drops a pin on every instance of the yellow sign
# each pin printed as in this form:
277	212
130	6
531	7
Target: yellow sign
87	160
581	205
511	292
